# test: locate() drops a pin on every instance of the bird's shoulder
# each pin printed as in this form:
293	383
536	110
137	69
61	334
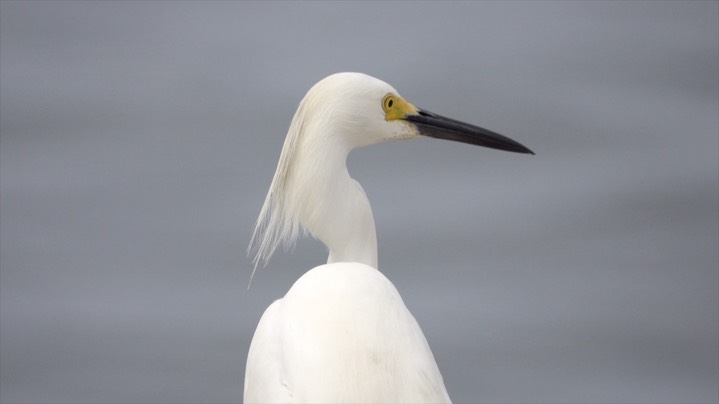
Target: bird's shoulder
346	322
342	280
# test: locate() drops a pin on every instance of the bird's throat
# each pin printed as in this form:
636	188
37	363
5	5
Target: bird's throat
338	213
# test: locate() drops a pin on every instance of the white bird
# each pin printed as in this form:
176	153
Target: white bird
342	332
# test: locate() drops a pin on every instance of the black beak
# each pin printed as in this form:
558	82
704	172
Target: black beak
440	127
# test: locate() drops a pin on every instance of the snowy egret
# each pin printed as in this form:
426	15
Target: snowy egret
342	332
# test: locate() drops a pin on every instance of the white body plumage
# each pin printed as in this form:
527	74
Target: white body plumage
342	332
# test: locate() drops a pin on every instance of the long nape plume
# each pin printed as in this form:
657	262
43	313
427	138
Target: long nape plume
277	222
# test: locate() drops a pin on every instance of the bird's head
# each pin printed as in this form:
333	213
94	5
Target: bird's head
342	112
361	110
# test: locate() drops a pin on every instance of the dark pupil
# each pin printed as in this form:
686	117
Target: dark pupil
389	103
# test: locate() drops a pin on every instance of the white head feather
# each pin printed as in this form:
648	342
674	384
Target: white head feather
339	113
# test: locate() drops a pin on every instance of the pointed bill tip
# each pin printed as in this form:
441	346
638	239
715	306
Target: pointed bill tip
440	127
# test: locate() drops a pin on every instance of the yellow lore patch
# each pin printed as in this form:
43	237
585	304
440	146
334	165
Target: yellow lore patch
395	107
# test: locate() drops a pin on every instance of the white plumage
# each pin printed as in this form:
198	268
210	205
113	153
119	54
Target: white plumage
342	332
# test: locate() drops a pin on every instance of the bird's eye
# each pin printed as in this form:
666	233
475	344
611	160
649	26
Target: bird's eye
388	102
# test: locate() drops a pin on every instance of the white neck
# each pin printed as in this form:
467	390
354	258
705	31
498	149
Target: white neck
312	188
333	206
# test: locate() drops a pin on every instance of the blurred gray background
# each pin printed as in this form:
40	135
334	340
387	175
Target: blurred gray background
139	139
